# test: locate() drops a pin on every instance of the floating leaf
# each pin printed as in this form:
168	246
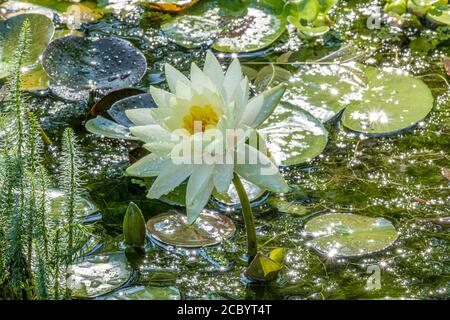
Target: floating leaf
86	64
34	80
293	135
209	229
294	202
270	76
41	33
57	199
348	235
256	31
102	106
13	8
323	91
146	293
99	274
104	127
263	268
231	199
212	22
170	5
140	101
393	101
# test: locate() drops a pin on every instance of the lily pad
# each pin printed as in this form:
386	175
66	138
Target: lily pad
324	91
255	194
34	80
212	22
146	293
14	8
172	229
57	198
140	101
102	106
293	135
349	235
97	275
170	5
86	64
295	202
41	33
440	15
392	102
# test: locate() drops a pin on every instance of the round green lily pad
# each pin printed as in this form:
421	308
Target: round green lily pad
146	293
293	135
256	27
57	198
294	202
191	31
97	275
440	15
41	32
257	30
172	229
324	91
255	194
393	101
85	64
140	101
349	235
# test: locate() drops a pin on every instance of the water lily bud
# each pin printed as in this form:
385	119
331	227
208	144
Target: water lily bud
134	226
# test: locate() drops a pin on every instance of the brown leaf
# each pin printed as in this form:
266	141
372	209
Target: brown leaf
447	64
107	101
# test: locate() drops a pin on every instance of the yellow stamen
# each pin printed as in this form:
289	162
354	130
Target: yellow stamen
204	115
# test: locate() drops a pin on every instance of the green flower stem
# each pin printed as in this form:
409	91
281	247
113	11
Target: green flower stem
249	221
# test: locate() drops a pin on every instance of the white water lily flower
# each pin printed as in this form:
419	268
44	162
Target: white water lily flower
200	111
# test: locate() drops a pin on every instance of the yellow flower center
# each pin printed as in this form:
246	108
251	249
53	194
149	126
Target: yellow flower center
200	117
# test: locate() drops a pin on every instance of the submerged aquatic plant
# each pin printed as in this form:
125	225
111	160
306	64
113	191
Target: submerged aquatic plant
204	131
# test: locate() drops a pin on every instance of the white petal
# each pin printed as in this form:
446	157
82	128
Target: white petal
258	169
232	79
140	117
213	69
161	97
159	148
252	110
151	133
149	166
170	178
184	91
223	176
200	80
272	98
199	192
173	77
201	174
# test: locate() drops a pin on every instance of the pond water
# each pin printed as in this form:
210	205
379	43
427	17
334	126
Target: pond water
403	178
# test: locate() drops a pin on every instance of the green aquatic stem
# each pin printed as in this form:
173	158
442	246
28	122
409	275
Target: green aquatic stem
252	246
